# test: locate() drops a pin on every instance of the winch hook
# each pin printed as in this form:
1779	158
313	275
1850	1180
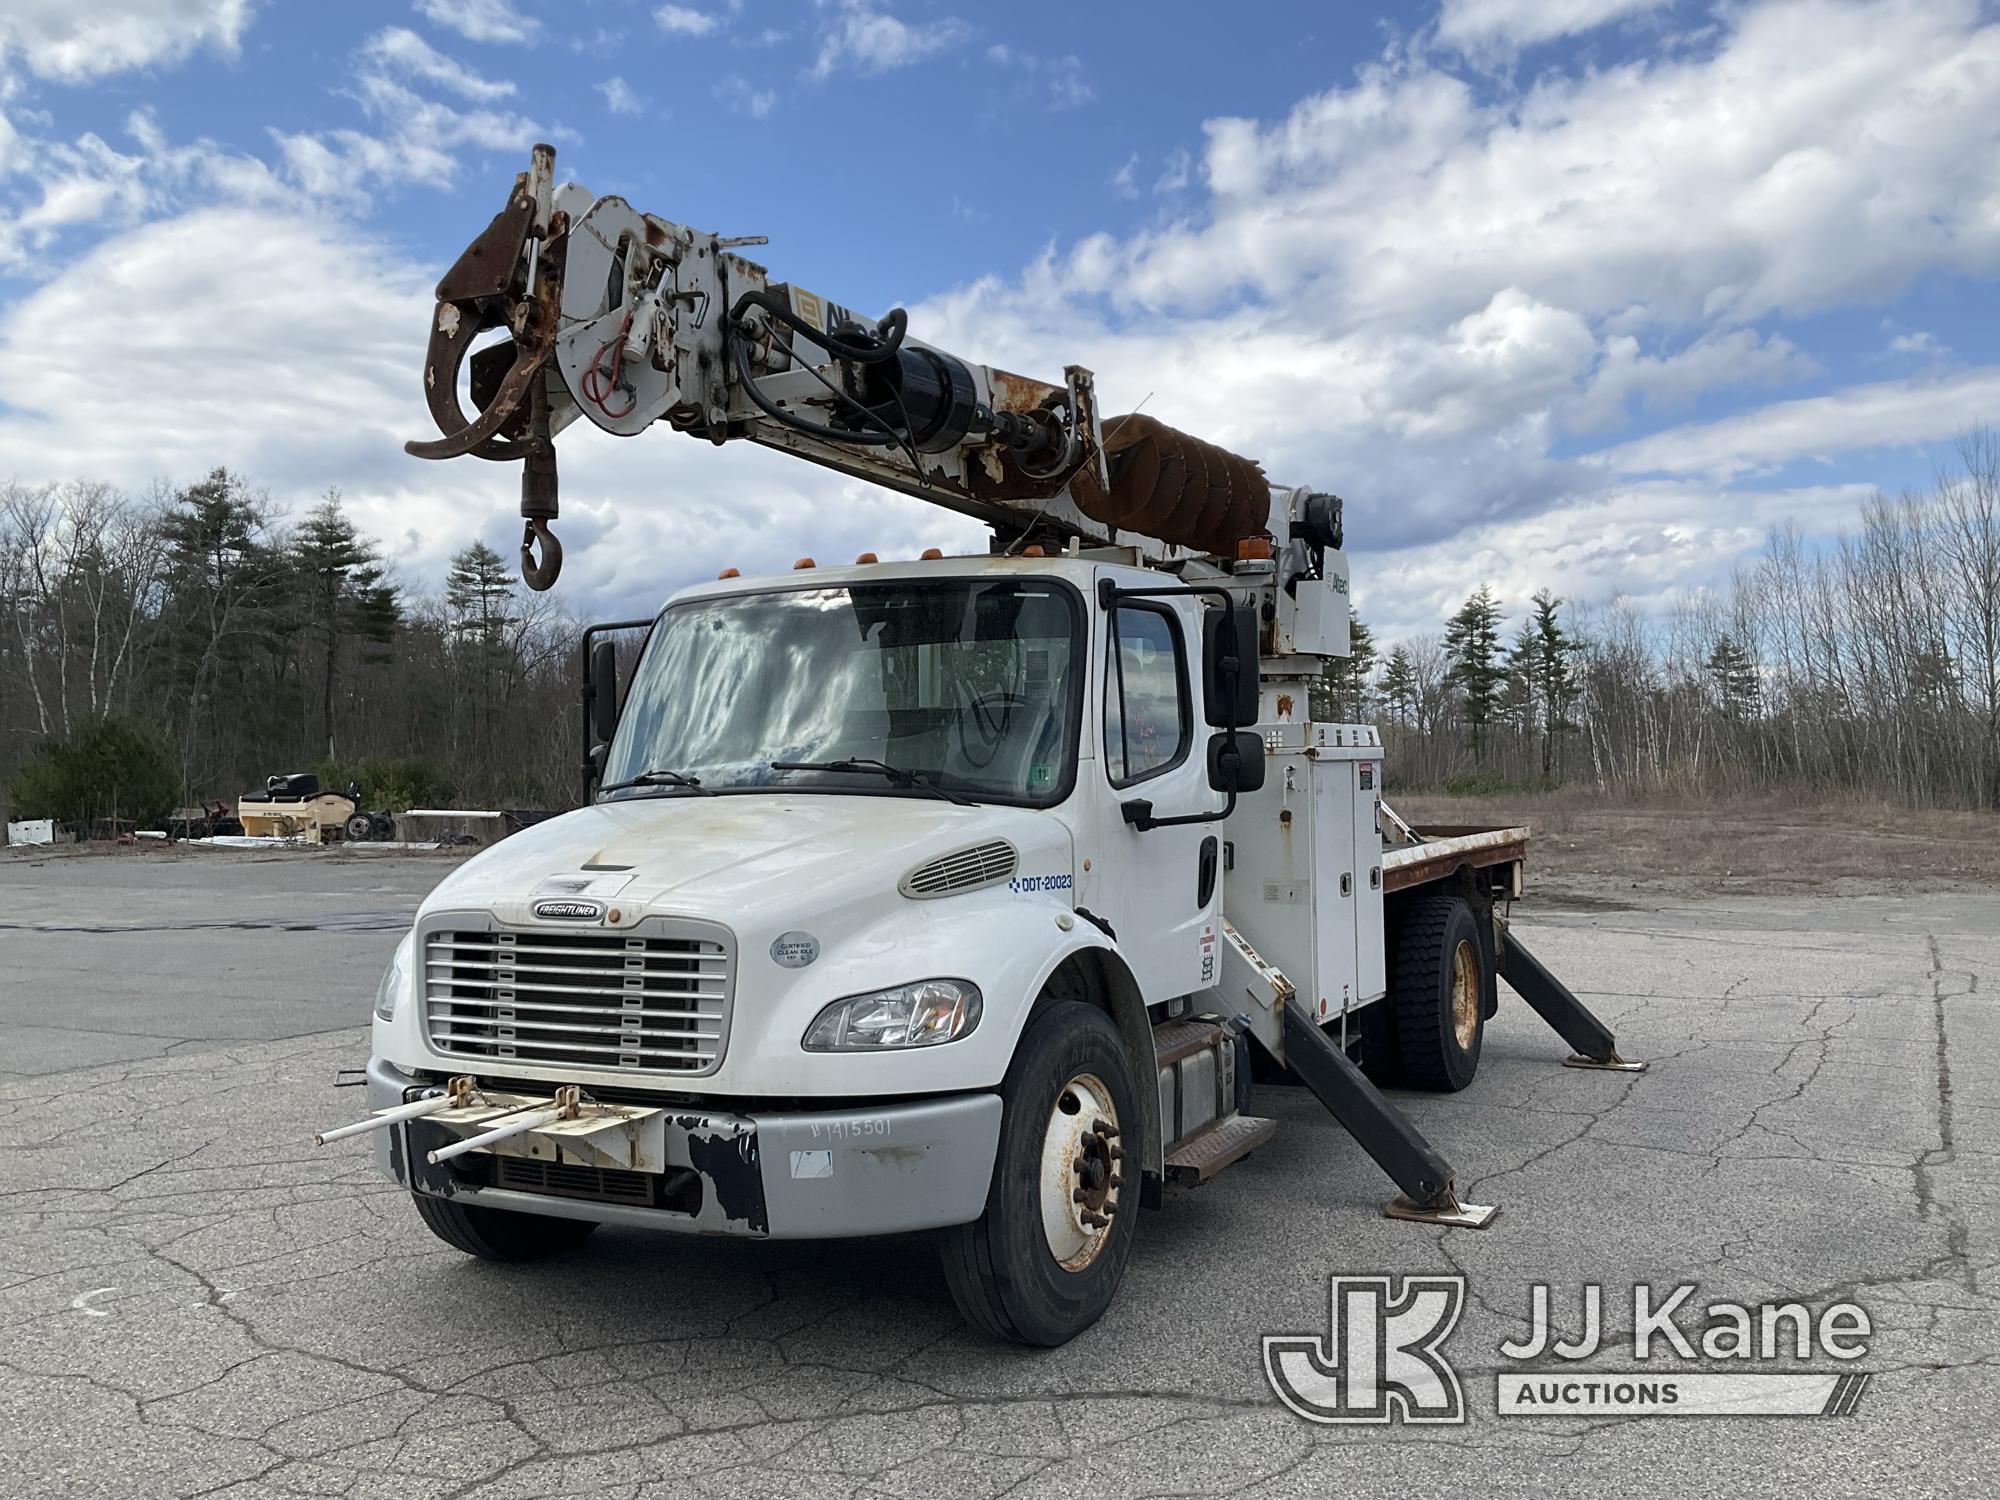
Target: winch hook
540	575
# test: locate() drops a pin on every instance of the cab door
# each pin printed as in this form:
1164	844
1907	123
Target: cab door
1159	889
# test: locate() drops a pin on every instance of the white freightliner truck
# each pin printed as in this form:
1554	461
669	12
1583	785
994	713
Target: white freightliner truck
945	895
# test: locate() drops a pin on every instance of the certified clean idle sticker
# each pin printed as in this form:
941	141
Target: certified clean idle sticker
794	950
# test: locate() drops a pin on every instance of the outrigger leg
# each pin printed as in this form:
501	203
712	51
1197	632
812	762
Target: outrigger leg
1552	1001
1399	1148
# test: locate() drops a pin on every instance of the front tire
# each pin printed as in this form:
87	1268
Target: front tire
497	1233
1440	994
1044	1260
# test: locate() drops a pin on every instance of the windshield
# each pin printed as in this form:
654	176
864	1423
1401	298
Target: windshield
967	682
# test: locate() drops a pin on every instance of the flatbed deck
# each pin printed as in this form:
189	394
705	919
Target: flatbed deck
1447	849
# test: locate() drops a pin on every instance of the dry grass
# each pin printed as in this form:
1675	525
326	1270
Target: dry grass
1586	843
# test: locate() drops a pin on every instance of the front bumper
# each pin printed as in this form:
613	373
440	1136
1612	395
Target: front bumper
822	1174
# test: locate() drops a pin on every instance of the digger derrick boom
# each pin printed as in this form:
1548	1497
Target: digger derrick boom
629	319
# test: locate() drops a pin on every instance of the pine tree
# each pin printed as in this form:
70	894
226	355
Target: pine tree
1340	692
343	593
1399	686
1472	640
479	591
222	589
1733	679
1551	653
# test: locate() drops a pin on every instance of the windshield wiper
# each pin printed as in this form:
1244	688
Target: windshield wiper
660	778
897	775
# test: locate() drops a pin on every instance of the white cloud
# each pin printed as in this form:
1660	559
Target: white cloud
418	137
1504	25
1823	152
682	20
1863	416
1664	382
1174	176
1123	181
1645	542
481	20
1917	342
71	42
76	185
857	35
620	98
1059	82
403	51
744	98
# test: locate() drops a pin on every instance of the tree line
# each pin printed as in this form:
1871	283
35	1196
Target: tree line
1869	664
247	644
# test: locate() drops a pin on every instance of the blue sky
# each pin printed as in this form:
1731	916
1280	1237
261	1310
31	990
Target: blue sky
1584	293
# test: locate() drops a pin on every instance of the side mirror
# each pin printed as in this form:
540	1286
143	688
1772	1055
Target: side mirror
1236	762
603	691
1229	670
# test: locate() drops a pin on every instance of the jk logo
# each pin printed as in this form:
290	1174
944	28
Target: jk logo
1379	1359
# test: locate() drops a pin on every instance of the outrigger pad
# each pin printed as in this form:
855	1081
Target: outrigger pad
1612	1064
1451	1212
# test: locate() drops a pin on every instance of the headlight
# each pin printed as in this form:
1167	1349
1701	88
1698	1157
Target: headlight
391	988
910	1015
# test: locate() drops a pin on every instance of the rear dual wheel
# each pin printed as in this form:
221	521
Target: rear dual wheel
1438	994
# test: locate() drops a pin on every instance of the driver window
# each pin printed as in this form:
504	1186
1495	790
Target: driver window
1146	701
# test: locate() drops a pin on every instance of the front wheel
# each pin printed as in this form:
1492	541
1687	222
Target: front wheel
498	1233
1044	1260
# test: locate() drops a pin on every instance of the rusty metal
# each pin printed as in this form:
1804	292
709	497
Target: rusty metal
1439	857
1170	485
1465	994
1196	1160
1443	1208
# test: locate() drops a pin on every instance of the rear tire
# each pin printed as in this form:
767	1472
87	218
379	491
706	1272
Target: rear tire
1440	994
1030	1269
499	1234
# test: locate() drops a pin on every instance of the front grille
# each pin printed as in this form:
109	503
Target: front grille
560	1180
962	870
636	1001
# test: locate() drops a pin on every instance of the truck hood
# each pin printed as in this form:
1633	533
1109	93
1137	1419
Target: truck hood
728	858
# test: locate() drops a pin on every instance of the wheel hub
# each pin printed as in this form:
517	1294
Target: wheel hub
1080	1173
1464	994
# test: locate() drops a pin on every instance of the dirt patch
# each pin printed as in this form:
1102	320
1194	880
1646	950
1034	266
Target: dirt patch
1588	852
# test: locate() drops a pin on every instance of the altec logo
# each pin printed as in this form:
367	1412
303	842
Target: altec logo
1379	1361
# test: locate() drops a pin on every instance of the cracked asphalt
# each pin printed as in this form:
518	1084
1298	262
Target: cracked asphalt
194	1301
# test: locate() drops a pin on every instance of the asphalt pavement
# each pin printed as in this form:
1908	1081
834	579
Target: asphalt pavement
195	1301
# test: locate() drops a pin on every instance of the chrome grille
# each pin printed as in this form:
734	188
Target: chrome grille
962	870
645	1001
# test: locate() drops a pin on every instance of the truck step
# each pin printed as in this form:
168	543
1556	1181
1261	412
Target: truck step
1201	1157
